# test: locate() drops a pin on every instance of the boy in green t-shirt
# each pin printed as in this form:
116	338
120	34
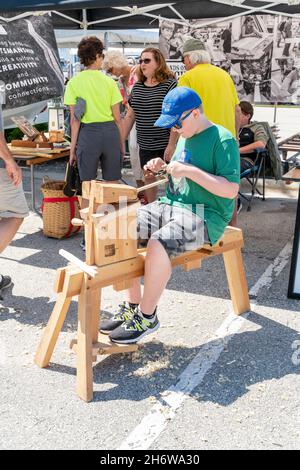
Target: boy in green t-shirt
199	202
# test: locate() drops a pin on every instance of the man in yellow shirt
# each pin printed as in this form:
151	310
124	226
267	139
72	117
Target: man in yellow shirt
214	85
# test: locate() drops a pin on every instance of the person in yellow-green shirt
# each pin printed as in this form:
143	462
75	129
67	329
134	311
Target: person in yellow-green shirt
97	135
214	85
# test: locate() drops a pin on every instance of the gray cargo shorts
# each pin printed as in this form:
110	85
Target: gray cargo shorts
99	142
12	198
176	228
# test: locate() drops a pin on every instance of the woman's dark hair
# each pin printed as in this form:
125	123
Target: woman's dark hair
247	19
162	73
88	49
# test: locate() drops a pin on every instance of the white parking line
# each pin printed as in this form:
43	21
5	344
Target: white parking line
171	399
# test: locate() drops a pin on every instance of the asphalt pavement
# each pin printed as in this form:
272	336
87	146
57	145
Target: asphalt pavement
205	380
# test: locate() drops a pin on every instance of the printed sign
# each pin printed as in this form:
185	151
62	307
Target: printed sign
29	62
177	68
260	52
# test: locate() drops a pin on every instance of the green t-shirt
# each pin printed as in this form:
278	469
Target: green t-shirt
99	91
215	151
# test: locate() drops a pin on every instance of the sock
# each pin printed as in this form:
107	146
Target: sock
150	318
132	305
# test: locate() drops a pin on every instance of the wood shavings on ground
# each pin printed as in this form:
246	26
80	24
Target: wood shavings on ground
151	367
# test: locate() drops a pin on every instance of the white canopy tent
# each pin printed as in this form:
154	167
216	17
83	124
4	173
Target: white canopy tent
114	15
86	14
119	38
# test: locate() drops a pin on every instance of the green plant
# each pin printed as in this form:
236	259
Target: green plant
17	134
13	134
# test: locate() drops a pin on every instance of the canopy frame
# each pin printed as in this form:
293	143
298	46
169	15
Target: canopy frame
147	11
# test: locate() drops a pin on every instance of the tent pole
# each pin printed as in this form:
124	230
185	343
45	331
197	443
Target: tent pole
106	41
275	112
84	21
66	16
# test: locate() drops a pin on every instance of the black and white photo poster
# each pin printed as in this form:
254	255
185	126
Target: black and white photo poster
260	52
29	62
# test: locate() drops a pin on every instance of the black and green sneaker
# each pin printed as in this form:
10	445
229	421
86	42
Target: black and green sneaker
134	329
124	313
5	282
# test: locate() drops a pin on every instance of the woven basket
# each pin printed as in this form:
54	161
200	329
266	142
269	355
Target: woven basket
58	210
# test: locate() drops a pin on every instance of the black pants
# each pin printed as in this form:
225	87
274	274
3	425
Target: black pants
147	155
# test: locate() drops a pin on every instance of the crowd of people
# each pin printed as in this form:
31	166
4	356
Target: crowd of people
187	129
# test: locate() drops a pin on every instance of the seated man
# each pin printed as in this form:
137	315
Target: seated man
252	136
203	183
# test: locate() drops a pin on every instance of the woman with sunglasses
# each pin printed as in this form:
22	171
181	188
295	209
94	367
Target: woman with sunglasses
155	80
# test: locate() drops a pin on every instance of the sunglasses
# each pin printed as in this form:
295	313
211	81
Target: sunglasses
180	121
146	61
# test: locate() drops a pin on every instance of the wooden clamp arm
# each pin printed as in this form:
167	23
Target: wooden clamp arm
77	222
90	270
152	185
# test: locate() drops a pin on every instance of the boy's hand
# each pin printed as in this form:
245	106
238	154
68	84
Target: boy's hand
155	165
176	169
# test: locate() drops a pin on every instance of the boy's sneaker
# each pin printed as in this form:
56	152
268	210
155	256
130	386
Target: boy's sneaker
125	313
5	281
134	329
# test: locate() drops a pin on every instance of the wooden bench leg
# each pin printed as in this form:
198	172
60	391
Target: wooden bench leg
237	282
95	315
52	330
84	381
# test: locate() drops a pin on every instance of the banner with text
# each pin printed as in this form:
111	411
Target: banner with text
260	52
29	62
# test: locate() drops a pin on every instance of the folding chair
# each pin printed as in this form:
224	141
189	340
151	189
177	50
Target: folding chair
252	171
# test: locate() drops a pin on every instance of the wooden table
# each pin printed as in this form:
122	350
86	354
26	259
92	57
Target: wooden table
294	279
291	144
33	158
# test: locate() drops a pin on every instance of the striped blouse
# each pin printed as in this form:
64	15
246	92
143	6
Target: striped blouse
147	103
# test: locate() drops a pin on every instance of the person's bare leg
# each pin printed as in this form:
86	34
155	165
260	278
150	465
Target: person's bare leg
134	295
8	228
151	194
158	271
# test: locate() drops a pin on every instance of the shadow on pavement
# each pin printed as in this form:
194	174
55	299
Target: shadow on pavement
250	357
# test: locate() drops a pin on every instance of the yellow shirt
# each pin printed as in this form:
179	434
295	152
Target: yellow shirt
99	91
217	92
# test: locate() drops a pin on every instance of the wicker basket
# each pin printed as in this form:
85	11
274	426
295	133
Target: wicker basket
58	210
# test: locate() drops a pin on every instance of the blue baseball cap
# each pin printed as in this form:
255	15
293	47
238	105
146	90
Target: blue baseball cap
175	103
